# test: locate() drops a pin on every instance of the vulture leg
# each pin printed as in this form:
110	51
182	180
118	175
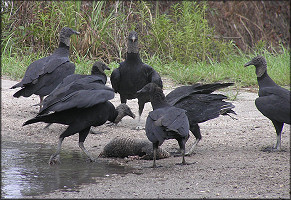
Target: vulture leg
183	157
182	147
40	101
277	147
278	127
82	136
140	109
278	144
123	99
196	132
48	125
55	158
155	148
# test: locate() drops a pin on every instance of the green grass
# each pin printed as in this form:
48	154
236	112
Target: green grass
180	34
230	70
205	72
15	66
178	43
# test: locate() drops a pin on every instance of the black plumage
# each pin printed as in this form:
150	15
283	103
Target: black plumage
200	105
273	101
132	75
65	87
97	70
43	75
165	121
80	105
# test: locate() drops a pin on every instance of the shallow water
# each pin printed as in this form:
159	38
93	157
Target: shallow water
26	172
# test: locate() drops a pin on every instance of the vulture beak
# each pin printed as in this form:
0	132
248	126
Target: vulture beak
248	64
139	92
131	115
133	38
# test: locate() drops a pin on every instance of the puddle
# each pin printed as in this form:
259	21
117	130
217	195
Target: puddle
25	170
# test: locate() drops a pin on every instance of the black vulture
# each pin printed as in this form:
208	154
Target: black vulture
200	105
97	70
165	121
81	104
97	76
43	75
273	101
132	75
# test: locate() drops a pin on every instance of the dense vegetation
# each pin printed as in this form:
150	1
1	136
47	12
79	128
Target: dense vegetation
177	41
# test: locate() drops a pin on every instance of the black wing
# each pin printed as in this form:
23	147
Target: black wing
115	79
39	68
181	92
203	107
152	75
274	103
162	123
74	77
71	94
46	83
82	99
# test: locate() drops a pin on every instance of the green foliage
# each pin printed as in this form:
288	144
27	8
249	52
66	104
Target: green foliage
178	43
232	69
15	66
185	36
181	35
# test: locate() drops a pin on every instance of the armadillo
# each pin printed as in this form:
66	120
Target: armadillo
123	147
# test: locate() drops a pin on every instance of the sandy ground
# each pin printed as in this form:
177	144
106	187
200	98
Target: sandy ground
228	162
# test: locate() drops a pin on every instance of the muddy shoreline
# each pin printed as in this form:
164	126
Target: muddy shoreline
228	162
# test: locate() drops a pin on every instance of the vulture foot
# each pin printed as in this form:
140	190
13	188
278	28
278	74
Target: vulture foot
54	159
271	149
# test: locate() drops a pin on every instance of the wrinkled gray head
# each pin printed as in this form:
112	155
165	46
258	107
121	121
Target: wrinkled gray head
123	110
99	67
260	63
65	35
132	42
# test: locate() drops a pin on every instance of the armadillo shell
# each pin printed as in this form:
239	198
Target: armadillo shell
123	147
